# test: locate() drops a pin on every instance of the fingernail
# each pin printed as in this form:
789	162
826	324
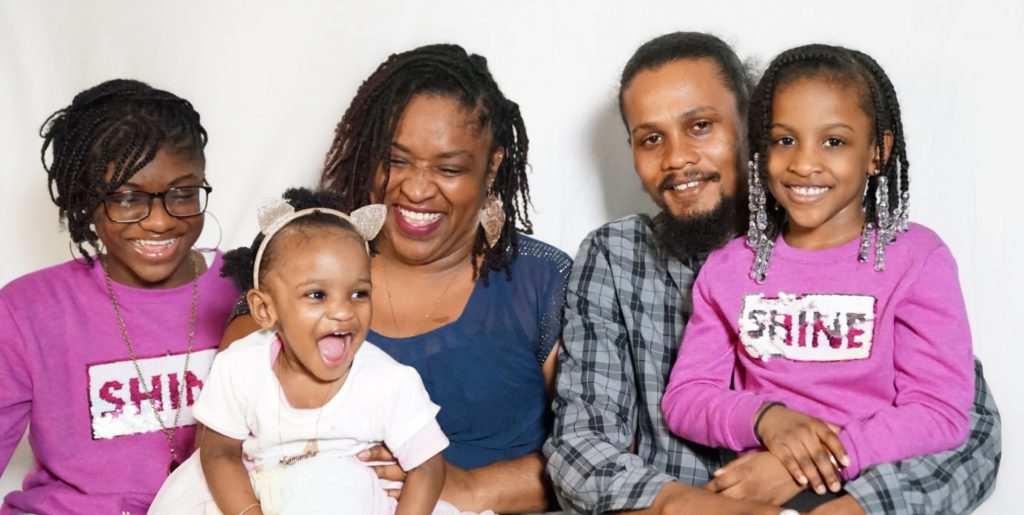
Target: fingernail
363	455
802	480
820	489
845	460
719	472
834	487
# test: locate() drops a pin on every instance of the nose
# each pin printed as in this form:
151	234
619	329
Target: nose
159	220
678	154
417	184
805	161
341	310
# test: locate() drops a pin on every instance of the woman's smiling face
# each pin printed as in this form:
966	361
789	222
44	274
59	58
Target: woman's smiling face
153	252
441	166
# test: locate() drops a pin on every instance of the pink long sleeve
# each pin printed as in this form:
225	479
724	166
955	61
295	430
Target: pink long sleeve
698	404
933	384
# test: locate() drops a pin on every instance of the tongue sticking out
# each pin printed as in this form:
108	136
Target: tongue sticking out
333	348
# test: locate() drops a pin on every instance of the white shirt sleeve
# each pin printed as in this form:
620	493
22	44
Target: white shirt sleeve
223	402
411	430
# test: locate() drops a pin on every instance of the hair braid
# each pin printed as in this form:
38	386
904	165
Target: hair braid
363	137
107	134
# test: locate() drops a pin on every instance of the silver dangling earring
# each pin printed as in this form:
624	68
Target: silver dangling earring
903	209
492	219
757	239
220	234
884	234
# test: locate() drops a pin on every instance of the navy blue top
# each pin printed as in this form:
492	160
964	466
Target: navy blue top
484	369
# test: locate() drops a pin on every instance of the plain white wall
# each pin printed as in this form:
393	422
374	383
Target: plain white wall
271	79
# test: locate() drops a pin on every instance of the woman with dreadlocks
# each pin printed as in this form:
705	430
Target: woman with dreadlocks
104	355
459	293
839	325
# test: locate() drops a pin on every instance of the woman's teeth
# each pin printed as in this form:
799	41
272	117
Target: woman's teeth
154	247
419	218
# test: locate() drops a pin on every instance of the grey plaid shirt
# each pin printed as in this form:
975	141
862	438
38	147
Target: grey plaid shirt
627	302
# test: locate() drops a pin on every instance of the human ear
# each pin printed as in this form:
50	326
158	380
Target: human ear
261	307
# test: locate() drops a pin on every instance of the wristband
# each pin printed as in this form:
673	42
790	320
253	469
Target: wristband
760	416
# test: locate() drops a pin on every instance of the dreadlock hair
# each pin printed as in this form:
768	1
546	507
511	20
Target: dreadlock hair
107	134
363	137
889	211
690	45
239	263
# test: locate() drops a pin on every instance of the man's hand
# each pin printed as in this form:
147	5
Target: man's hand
384	464
808	448
458	486
758	476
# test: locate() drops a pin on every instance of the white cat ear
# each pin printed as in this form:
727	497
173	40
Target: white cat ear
369	220
272	213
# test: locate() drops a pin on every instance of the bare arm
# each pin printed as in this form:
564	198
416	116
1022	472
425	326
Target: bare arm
240	326
677	498
229	484
422	487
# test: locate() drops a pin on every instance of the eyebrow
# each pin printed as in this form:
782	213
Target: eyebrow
442	155
837	125
686	114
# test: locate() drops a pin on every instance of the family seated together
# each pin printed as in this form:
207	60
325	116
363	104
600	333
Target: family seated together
778	338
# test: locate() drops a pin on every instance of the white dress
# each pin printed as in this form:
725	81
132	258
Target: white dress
381	401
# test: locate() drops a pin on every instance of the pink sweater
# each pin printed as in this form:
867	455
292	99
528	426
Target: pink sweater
64	367
884	355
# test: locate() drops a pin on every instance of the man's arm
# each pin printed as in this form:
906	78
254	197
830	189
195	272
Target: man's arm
589	453
950	482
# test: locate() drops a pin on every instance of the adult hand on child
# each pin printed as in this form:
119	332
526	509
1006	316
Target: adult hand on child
808	447
380	459
758	476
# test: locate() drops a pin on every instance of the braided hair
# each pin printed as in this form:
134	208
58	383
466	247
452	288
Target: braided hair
888	213
107	134
363	137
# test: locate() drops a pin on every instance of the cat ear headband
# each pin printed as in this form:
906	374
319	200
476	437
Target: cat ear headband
274	214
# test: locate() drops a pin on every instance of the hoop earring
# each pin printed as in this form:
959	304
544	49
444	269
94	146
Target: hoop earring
220	234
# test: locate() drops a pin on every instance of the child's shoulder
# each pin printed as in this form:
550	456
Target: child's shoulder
917	240
380	366
731	255
250	348
62	276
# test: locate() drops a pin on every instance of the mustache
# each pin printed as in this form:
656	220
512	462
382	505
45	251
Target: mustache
673	179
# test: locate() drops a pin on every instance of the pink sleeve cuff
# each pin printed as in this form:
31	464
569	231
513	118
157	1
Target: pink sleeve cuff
742	422
851	471
422	446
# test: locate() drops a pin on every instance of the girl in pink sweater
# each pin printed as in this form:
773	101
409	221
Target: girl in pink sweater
823	338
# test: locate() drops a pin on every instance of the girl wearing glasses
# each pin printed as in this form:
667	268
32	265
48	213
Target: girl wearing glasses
105	355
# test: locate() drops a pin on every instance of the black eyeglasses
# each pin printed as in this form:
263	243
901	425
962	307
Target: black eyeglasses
126	207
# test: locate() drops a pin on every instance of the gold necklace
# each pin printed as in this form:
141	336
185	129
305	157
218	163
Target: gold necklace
391	303
312	446
168	432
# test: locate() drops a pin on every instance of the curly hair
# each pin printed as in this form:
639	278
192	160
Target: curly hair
107	134
363	137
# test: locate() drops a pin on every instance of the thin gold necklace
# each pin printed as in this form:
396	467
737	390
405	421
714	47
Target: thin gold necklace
426	317
168	432
312	446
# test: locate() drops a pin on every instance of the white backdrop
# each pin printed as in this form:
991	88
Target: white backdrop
271	79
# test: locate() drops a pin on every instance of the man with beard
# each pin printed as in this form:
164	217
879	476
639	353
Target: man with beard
684	98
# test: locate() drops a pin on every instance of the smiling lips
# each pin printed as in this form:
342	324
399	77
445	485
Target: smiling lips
155	249
417	223
807	194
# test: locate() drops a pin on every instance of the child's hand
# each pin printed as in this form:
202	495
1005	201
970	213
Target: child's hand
758	476
808	447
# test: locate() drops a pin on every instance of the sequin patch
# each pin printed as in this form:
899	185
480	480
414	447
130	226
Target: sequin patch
818	327
120	406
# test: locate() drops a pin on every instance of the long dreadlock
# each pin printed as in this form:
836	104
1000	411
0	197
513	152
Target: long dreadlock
107	134
363	138
888	213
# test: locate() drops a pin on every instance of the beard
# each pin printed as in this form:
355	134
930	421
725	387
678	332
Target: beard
695	236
